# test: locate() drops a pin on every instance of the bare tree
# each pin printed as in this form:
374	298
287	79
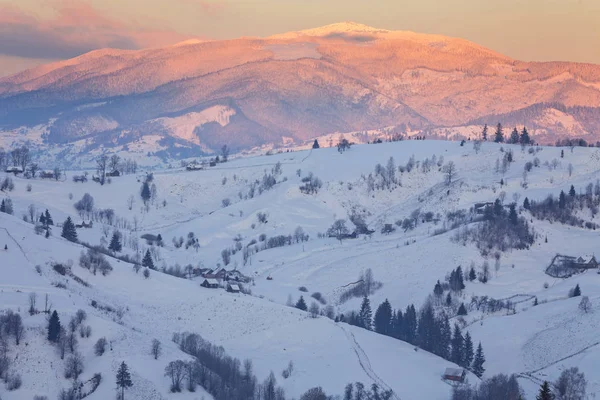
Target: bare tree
33	169
585	304
32	303
571	385
74	366
450	172
175	370
31	211
224	153
570	168
477	146
113	163
101	164
156	348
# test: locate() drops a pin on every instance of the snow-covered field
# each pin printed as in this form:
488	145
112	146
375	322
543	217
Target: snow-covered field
537	342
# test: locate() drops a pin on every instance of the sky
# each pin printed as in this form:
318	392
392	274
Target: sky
33	32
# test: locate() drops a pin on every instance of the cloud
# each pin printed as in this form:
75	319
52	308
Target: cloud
76	28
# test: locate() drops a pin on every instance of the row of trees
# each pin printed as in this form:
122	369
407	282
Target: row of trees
515	137
426	330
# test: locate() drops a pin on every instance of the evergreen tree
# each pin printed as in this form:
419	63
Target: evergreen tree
68	230
562	153
383	318
147	260
526	204
468	352
365	315
459	278
577	291
437	289
398	325
462	310
54	327
43	219
498	210
315	144
115	243
145	192
301	304
48	218
457	344
525	139
512	214
410	324
572	191
484	133
426	328
514	136
445	338
545	393
123	379
448	300
2	206
472	274
478	361
562	200
499	136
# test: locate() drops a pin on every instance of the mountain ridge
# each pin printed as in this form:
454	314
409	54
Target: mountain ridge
342	77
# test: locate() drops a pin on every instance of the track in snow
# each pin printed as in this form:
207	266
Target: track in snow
365	363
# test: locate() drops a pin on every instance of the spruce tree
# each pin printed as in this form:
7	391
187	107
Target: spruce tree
512	215
478	361
43	219
445	338
462	310
448	300
572	191
545	393
145	192
472	274
525	139
147	260
115	243
484	133
437	289
526	204
48	218
365	315
54	327
398	325
123	379
410	324
68	230
514	136
468	352
499	136
2	206
426	328
301	304
315	144
383	318
457	344
562	200
577	291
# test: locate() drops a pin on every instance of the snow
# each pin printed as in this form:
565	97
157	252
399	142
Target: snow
537	342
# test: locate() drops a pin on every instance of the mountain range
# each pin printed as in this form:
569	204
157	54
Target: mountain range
193	97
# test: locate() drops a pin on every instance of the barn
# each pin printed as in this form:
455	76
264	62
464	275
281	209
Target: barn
233	288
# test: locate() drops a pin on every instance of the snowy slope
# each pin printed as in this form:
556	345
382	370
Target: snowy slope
260	326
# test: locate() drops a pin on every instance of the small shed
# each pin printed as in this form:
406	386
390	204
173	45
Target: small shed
233	288
454	374
210	283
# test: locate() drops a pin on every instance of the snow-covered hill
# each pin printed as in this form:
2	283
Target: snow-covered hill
216	207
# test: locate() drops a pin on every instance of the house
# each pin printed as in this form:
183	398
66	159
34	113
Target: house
233	288
194	167
587	262
47	174
219	274
454	374
479	208
113	173
210	283
14	170
85	225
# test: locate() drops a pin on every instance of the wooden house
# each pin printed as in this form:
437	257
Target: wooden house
454	374
210	283
233	288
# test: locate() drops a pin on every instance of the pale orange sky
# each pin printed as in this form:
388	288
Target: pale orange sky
36	31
